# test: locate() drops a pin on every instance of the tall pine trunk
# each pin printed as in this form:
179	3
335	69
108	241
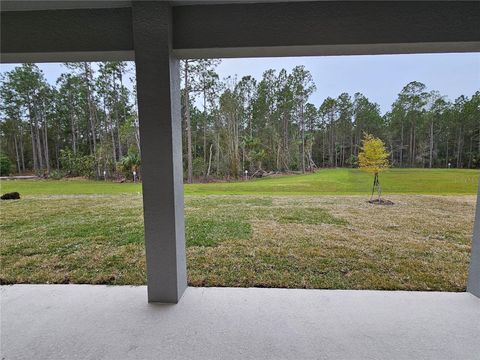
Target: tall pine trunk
117	121
17	157
22	152
459	148
204	125
91	116
34	148
401	145
45	144
302	122
74	137
431	145
37	139
188	125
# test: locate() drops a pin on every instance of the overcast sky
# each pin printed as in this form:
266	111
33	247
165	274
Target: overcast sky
379	77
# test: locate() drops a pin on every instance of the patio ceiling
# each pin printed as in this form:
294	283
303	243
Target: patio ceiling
239	29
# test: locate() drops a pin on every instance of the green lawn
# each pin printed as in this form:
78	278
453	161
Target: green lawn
351	182
323	182
275	232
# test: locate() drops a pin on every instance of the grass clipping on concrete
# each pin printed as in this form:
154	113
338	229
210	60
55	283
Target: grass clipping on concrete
331	242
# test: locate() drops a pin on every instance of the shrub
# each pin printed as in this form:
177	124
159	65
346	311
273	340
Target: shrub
77	165
5	165
57	174
198	167
129	163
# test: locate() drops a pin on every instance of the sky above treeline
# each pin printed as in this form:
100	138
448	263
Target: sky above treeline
379	77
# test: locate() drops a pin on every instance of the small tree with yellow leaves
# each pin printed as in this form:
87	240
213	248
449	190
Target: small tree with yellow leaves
373	158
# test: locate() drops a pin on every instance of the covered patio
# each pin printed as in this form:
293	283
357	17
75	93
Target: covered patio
102	322
99	322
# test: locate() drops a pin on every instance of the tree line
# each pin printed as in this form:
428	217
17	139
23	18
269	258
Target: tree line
270	125
86	123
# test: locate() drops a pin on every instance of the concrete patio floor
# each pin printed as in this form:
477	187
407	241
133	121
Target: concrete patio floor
115	322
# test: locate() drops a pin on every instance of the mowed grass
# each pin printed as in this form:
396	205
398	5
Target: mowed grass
334	242
351	182
323	182
279	233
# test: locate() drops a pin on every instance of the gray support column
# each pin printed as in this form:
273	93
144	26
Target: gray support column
474	273
158	91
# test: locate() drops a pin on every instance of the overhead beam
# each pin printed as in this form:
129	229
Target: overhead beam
66	35
328	50
326	28
253	29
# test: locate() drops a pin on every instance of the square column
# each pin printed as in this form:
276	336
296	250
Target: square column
473	285
158	91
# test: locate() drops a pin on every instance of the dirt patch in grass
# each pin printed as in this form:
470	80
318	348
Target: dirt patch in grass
381	202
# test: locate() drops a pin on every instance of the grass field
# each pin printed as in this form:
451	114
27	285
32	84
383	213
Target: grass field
323	182
92	232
